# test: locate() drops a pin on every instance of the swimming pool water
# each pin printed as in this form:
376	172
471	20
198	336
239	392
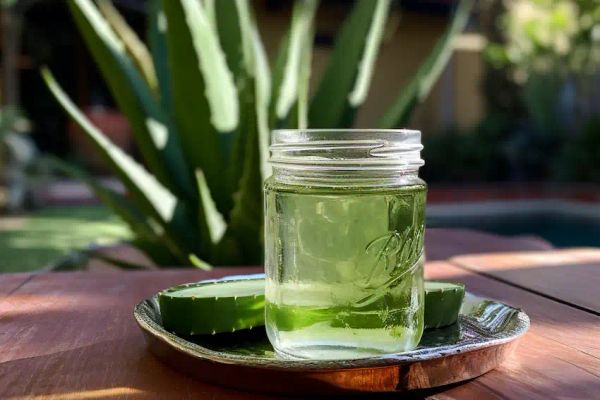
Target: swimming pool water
560	229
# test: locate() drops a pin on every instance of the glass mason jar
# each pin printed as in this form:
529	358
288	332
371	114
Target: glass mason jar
344	229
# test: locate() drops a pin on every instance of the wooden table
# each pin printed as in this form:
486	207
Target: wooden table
72	335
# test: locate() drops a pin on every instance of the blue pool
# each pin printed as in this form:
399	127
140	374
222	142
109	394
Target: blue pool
560	229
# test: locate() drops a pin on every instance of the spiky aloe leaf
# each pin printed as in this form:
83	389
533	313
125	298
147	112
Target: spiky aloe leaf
234	22
157	31
210	218
226	18
421	84
292	69
442	303
255	61
205	102
263	93
149	237
153	199
136	49
304	84
277	72
243	236
249	152
346	80
213	307
158	145
117	202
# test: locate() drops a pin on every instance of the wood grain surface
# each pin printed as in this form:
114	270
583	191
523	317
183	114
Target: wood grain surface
72	335
442	243
558	358
567	275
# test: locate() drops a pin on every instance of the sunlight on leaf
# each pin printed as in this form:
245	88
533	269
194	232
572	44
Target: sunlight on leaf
214	220
220	88
302	19
367	63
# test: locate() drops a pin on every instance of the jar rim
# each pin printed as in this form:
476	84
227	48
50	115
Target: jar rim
346	149
348	130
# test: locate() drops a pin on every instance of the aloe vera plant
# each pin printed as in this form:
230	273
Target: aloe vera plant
201	99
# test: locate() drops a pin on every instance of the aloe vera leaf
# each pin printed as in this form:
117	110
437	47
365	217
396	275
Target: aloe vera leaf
290	78
263	93
442	303
262	90
211	66
344	85
199	263
210	221
430	70
240	41
209	216
213	307
250	145
304	83
246	219
278	69
157	31
226	16
158	145
297	117
142	225
199	71
150	195
114	200
136	49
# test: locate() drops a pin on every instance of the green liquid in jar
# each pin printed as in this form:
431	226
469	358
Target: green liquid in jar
345	270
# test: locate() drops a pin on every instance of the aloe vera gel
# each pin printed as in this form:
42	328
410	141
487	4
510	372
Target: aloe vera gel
344	229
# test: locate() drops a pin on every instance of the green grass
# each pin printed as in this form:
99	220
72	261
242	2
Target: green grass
33	241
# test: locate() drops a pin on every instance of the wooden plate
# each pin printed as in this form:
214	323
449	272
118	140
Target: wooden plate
484	336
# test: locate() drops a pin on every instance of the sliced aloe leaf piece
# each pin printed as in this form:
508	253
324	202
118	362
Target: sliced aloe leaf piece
213	306
235	303
442	303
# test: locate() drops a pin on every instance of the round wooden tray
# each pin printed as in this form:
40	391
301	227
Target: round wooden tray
484	336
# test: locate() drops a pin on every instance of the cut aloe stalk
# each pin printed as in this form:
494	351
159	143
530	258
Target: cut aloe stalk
228	305
213	306
442	303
